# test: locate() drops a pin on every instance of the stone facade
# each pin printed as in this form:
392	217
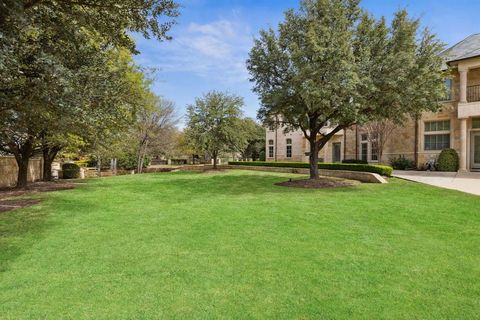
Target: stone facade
460	128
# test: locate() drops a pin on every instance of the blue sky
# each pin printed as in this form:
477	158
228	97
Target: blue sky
213	37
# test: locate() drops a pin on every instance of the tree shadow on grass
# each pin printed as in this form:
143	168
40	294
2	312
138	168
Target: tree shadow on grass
19	230
250	183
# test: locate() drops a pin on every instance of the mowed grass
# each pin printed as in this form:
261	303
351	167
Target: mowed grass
233	245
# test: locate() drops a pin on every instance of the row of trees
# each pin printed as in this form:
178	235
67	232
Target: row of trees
68	75
331	63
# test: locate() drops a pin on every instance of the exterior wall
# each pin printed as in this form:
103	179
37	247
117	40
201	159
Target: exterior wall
300	146
9	171
280	146
401	141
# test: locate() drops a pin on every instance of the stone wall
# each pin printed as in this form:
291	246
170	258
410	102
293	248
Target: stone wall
9	171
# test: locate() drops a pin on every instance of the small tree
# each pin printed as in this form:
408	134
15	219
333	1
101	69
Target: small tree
155	123
379	132
255	138
214	124
331	64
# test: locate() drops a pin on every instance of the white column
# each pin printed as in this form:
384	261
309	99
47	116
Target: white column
463	85
463	145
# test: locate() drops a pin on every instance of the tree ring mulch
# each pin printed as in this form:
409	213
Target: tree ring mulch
213	171
8	205
320	183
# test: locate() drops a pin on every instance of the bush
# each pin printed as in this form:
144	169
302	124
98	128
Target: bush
261	155
402	163
354	161
130	161
70	171
383	170
448	161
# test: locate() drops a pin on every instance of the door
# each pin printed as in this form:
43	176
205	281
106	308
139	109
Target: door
476	150
337	152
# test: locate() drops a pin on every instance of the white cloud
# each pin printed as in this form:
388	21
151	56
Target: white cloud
216	50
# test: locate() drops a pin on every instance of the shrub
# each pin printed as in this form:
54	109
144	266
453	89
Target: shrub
261	155
383	170
402	163
448	160
70	171
354	161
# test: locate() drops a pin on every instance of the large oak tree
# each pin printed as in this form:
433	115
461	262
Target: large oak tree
330	64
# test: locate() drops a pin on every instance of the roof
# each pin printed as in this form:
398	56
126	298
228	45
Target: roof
467	48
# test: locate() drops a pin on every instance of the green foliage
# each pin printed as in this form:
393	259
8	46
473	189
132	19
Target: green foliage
215	124
261	155
448	160
402	163
380	169
331	63
70	171
357	161
255	138
130	162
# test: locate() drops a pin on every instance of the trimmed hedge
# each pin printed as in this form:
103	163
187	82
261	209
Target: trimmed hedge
382	170
70	171
448	161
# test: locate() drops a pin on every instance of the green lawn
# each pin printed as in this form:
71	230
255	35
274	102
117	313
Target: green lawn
233	245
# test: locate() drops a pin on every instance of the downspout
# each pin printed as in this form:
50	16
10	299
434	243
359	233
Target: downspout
415	152
276	138
356	142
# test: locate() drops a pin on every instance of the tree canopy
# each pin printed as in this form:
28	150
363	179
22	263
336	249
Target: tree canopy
331	64
214	124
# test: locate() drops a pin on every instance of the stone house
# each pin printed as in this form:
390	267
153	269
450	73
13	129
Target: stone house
456	125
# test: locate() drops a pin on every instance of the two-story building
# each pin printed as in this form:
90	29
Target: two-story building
456	125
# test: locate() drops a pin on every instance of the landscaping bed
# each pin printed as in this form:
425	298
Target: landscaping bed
372	168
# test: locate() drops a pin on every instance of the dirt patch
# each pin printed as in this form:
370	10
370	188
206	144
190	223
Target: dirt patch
318	183
7	205
38	187
214	171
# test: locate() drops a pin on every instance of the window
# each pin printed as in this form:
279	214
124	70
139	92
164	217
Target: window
443	125
476	123
369	147
365	151
270	151
270	142
437	141
437	135
448	89
289	148
374	151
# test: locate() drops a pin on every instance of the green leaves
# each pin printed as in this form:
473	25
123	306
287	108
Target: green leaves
215	124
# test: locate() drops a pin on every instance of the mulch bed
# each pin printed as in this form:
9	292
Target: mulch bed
8	195
213	171
318	183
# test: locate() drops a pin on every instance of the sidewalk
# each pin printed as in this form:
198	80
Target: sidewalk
468	182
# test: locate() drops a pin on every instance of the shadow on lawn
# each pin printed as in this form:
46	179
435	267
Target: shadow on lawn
19	230
248	184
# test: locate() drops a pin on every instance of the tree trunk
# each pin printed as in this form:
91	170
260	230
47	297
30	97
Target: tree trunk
49	155
313	159
214	161
22	156
22	177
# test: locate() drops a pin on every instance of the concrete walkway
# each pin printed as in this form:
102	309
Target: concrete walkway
466	182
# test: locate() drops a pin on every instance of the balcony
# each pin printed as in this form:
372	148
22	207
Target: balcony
473	93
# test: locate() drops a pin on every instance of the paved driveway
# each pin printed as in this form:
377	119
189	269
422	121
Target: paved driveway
466	182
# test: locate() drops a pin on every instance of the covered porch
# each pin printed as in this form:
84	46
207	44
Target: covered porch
469	114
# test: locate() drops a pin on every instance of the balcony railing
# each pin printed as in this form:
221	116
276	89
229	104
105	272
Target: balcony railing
473	93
